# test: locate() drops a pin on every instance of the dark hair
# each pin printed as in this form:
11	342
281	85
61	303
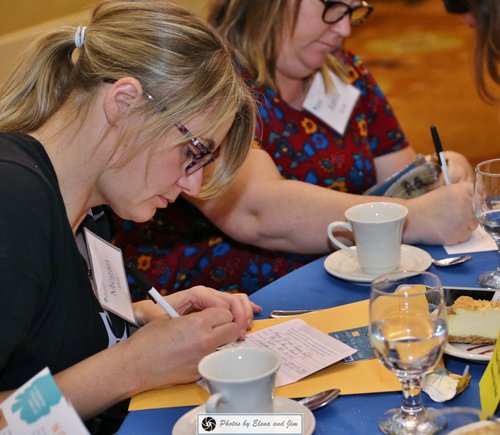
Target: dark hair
457	6
487	51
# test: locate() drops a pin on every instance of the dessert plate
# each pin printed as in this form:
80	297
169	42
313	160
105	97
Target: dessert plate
345	266
186	425
478	427
471	352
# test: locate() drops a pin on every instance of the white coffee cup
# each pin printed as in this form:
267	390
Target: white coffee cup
240	379
378	230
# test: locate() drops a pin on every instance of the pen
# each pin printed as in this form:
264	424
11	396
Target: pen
439	152
145	284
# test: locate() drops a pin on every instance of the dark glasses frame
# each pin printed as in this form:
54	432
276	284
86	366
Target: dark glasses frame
349	10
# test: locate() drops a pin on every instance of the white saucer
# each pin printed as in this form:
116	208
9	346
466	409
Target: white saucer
186	425
345	266
471	352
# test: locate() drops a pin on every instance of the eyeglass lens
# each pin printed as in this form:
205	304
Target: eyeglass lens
202	155
335	11
200	159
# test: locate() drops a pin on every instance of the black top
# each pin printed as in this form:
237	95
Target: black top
49	315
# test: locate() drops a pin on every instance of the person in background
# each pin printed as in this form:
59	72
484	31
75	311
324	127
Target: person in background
302	172
484	16
103	115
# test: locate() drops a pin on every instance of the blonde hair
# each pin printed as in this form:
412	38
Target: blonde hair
177	57
255	29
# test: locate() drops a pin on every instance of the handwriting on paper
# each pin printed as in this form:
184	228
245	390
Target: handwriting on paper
304	349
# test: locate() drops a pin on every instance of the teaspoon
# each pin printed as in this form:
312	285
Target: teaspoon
286	313
451	261
319	400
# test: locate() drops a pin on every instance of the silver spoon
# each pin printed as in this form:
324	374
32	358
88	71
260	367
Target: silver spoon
319	400
286	313
451	261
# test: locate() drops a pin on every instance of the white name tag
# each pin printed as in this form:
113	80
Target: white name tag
333	108
108	272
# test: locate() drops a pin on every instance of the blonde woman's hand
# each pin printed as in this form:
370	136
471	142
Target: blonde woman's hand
167	351
197	299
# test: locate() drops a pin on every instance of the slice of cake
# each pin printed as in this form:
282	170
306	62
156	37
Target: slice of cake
473	321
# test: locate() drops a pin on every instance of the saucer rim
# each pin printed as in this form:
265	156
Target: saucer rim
452	350
285	402
366	278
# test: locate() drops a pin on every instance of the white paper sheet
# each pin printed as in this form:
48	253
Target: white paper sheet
304	349
479	241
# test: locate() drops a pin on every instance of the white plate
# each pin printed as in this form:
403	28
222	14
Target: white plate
186	425
345	266
472	352
478	426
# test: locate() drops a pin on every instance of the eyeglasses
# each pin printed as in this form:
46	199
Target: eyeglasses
202	155
335	11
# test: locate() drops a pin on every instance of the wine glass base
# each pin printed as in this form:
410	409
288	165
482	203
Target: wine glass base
489	279
397	421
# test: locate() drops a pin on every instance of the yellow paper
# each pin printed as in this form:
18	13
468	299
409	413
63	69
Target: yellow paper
489	385
368	376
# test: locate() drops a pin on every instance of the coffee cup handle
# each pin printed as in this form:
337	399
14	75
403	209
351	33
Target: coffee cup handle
213	402
336	242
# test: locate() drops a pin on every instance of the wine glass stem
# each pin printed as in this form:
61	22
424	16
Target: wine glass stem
412	395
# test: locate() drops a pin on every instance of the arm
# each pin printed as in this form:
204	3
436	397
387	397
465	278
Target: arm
389	164
162	353
263	209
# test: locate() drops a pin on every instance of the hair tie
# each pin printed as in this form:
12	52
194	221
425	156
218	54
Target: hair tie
80	36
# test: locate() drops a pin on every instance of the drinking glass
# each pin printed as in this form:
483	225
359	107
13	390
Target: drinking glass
408	332
486	205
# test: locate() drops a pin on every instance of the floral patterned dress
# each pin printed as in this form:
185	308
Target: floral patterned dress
180	248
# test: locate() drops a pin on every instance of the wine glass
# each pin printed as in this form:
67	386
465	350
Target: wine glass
486	205
408	332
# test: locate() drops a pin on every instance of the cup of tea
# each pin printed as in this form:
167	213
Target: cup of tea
240	379
377	228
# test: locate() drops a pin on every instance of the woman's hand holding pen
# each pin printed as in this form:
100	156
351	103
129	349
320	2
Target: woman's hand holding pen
199	298
454	166
454	202
167	351
459	168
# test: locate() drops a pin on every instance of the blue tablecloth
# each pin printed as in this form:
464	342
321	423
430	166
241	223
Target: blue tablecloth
312	287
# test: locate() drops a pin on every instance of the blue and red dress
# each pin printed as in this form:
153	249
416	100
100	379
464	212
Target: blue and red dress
180	248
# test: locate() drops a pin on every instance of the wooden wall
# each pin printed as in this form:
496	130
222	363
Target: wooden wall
21	21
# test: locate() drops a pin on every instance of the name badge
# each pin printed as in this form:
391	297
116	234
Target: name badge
110	280
333	108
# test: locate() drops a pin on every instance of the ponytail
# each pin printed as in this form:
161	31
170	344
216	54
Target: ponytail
40	83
